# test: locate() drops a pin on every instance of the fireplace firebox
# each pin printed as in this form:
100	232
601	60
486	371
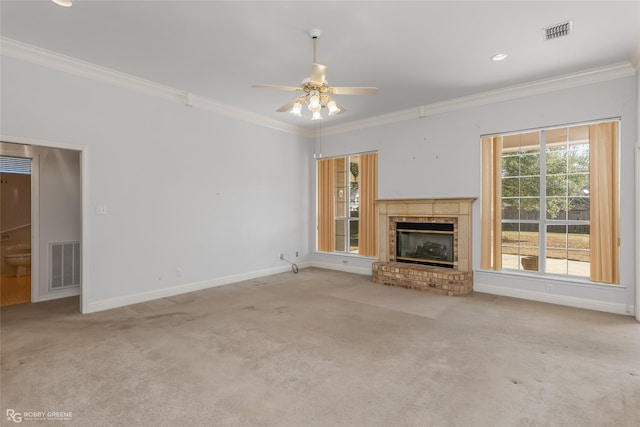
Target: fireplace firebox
425	243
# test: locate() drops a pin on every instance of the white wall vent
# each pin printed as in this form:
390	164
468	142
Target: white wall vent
64	265
559	30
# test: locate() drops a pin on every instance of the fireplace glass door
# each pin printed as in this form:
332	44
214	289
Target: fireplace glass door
425	243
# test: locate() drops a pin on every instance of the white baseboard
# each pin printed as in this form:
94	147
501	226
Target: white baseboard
341	267
608	307
108	304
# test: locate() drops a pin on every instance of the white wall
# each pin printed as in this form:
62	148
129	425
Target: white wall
439	156
184	188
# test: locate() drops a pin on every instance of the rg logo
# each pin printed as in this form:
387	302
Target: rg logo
14	416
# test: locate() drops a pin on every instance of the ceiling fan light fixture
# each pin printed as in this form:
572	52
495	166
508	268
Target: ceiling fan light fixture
333	108
316	115
63	3
296	110
314	100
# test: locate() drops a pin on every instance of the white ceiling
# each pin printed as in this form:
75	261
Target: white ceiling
415	52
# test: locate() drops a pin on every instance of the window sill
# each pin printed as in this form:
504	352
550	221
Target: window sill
541	277
346	254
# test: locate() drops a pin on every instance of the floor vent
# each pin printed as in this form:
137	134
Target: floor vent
65	265
558	30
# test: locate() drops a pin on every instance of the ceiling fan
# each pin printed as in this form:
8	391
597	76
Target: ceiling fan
317	92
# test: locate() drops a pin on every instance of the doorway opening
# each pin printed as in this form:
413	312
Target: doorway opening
56	218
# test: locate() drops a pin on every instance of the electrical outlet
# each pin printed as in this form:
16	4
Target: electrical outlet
549	288
296	254
101	210
281	256
179	272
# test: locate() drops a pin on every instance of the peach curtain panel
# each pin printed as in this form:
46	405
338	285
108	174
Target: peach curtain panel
490	208
326	205
604	207
368	231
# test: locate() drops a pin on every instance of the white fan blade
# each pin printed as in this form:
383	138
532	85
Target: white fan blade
287	107
353	90
289	88
318	74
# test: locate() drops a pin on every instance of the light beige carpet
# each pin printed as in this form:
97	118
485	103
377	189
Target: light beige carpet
321	348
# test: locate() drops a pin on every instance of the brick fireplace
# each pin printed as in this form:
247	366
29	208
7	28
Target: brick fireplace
436	234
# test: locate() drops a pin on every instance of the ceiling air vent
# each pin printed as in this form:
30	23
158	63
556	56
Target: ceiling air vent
558	30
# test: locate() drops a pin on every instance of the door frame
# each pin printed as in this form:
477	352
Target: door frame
35	206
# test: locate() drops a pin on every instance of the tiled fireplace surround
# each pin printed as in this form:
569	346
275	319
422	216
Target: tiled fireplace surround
446	281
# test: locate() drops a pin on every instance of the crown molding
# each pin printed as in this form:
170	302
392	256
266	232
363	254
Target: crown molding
29	53
35	55
538	87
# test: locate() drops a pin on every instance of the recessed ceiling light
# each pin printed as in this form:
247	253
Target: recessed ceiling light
499	57
65	3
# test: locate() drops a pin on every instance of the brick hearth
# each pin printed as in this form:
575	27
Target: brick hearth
456	281
438	280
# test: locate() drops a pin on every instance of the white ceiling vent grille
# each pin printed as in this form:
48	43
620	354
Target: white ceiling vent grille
559	30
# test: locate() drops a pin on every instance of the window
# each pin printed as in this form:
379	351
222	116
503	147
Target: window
347	189
17	165
550	201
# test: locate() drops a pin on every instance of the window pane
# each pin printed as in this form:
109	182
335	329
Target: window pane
556	261
510	165
510	187
510	208
556	208
341	186
578	263
578	209
510	234
353	236
556	236
556	160
578	184
578	158
354	187
530	186
530	208
520	246
530	164
341	235
578	236
568	249
556	185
